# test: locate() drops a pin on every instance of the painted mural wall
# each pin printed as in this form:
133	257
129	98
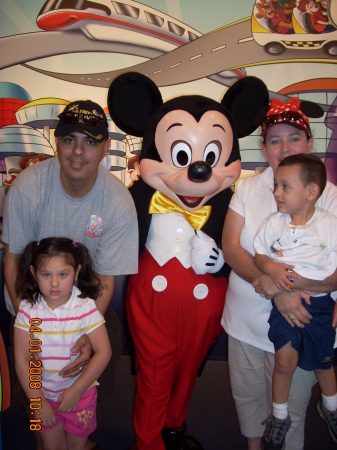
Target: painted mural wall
56	51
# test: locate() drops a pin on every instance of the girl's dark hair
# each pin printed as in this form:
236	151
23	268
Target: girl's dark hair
74	253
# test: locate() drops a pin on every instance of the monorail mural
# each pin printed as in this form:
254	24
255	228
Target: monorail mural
290	44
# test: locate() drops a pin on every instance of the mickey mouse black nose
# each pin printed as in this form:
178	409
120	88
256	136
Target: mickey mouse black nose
199	172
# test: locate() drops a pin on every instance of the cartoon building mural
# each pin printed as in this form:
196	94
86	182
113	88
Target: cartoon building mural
80	47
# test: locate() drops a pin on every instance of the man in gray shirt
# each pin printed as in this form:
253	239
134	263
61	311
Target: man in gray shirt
73	195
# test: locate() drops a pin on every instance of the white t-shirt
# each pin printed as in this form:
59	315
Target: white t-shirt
246	314
311	248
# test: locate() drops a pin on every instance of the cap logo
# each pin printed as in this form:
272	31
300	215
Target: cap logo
84	117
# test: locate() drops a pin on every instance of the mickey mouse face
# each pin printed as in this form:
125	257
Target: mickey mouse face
190	149
192	155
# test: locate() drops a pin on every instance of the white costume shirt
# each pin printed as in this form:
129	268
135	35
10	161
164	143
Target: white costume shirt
246	314
169	237
311	248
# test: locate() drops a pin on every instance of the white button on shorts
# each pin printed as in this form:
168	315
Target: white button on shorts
200	291
159	283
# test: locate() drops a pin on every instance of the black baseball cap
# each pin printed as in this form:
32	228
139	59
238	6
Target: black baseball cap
83	116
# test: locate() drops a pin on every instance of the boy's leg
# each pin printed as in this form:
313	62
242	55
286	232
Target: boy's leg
327	381
299	397
279	422
327	407
286	359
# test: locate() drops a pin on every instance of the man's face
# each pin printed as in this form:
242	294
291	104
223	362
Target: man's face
79	158
282	140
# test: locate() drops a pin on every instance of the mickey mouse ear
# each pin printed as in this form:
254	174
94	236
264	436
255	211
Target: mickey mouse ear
243	99
311	109
132	99
260	116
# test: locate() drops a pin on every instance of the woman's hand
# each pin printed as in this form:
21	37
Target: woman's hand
290	306
265	286
76	367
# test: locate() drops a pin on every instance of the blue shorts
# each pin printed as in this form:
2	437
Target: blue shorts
314	343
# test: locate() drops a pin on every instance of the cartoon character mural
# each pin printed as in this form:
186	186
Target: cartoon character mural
188	161
301	24
133	169
143	35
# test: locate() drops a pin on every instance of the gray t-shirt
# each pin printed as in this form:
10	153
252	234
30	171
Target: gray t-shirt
104	220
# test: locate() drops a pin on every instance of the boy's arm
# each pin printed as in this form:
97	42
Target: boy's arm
278	272
102	353
23	363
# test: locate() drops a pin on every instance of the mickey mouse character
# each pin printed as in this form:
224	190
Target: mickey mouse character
189	159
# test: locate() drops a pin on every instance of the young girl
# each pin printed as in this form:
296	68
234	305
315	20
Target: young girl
56	279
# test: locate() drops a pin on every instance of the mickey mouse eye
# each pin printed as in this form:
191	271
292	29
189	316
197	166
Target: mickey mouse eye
181	154
212	153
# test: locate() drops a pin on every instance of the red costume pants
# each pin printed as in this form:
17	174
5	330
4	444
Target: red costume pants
174	317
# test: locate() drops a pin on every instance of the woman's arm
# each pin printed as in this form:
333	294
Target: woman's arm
23	362
239	259
102	353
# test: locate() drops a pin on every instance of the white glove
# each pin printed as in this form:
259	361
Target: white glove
205	256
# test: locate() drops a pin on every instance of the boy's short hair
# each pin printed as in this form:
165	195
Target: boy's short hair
312	169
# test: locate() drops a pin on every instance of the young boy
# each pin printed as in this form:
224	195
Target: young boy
302	238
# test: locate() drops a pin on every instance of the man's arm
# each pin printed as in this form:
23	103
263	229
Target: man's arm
83	344
106	292
10	272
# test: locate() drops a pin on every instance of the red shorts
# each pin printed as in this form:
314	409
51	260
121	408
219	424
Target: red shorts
81	422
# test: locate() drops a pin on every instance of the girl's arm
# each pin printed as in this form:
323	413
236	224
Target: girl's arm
23	363
102	353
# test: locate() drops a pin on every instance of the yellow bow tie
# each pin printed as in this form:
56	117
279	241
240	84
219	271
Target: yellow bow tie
160	204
